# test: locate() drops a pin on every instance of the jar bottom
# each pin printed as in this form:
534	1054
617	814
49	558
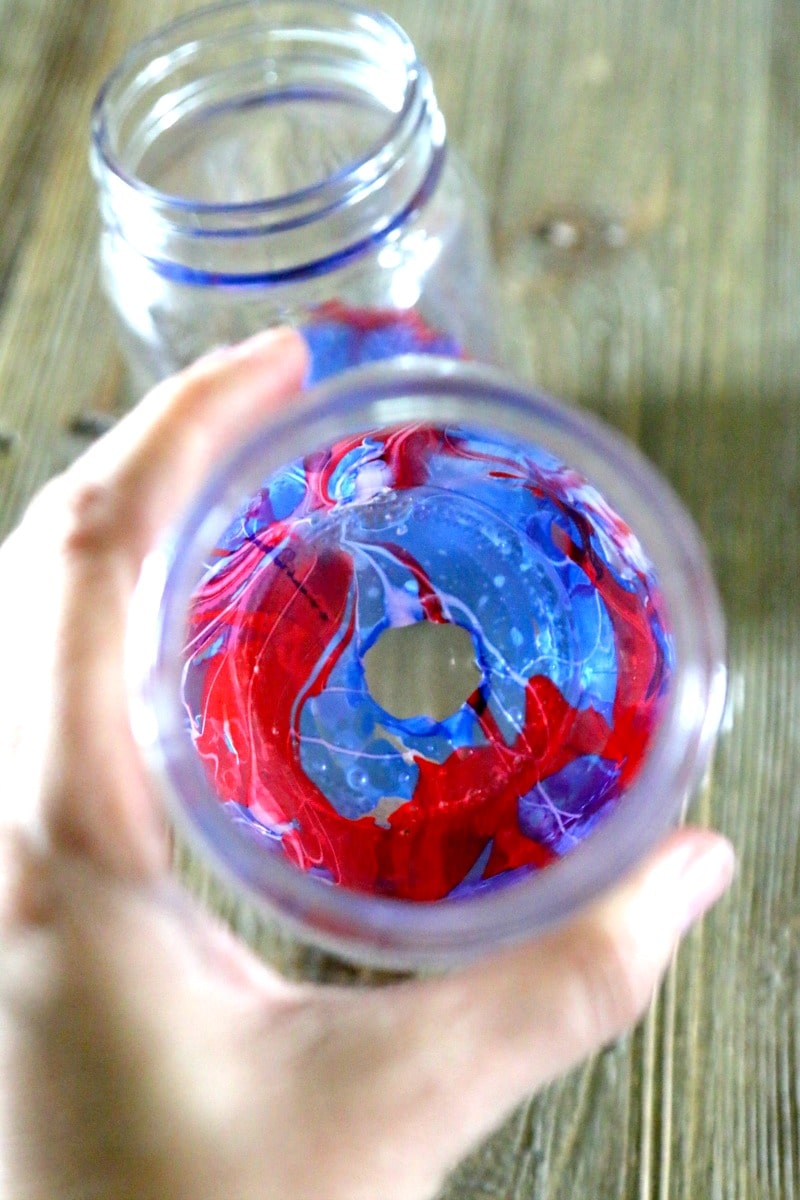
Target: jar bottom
440	526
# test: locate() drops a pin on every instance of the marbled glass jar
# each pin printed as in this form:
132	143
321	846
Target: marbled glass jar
430	662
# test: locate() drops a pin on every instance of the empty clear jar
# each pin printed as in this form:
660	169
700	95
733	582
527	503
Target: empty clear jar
286	161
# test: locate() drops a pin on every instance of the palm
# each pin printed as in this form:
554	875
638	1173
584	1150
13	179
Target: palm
164	1054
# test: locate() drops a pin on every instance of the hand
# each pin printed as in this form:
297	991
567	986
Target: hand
145	1052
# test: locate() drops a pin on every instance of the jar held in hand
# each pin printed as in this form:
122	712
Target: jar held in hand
429	663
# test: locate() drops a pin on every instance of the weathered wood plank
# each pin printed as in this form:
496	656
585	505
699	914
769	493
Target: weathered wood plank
57	357
642	166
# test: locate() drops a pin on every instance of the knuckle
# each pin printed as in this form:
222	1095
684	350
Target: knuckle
78	520
25	895
88	519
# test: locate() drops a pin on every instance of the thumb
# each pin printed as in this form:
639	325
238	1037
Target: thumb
464	1049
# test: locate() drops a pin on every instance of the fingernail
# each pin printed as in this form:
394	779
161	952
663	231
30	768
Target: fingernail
704	877
251	345
217	355
263	339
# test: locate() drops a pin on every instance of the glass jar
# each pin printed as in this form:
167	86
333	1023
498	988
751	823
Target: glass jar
560	588
285	161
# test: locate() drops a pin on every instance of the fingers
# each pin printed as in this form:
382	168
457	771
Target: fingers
135	480
94	525
461	1051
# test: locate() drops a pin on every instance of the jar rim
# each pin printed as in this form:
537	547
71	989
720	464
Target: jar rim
403	933
141	52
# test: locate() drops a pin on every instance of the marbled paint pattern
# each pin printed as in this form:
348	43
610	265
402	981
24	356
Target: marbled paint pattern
440	524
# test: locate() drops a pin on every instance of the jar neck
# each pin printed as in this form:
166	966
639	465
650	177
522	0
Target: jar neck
262	142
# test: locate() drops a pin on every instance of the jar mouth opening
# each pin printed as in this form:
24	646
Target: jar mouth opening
400	932
223	62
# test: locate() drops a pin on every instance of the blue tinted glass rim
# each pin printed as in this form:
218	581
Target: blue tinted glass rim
179	274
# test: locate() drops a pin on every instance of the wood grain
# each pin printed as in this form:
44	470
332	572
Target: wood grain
641	162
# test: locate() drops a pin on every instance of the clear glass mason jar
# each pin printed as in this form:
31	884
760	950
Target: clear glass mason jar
285	161
431	495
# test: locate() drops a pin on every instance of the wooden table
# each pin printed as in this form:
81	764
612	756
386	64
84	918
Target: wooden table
642	164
